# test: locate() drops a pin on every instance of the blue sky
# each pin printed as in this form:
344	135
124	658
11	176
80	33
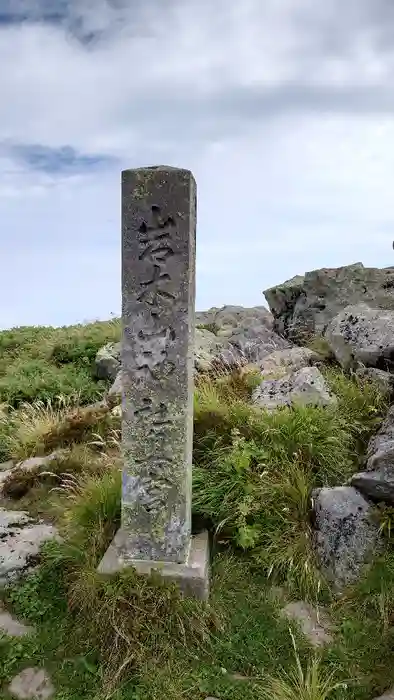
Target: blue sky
284	111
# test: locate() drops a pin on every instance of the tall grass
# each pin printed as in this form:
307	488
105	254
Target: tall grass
255	470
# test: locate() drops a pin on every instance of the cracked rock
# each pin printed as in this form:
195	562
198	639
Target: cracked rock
20	541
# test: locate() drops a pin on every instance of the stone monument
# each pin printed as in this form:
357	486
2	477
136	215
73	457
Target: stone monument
158	293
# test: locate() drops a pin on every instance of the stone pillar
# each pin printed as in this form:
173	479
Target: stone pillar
158	292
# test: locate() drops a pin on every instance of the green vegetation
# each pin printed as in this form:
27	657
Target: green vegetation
132	638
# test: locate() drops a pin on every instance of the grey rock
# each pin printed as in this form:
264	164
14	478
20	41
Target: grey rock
380	450
376	485
32	684
315	623
304	305
360	335
281	362
254	341
6	466
20	542
345	535
108	361
114	394
229	317
12	627
383	380
377	480
207	347
305	387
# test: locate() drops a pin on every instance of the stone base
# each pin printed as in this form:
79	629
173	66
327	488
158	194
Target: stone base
192	577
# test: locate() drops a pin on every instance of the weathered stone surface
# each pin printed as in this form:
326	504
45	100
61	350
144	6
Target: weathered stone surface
306	304
228	317
108	361
345	535
32	684
376	485
12	627
252	342
114	394
362	335
305	387
233	336
377	481
207	347
380	450
191	575
159	209
383	380
20	542
158	293
281	362
315	623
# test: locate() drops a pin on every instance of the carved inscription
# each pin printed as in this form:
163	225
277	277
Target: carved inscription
154	240
155	481
156	247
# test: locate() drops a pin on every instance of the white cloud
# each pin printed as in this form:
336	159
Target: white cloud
282	111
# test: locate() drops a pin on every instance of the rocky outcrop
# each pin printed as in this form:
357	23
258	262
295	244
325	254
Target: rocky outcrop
377	481
208	346
360	335
305	305
281	362
20	541
382	379
306	387
231	336
228	317
345	535
235	335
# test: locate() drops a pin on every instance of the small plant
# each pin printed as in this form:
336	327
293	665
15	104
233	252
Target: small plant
211	327
314	682
384	515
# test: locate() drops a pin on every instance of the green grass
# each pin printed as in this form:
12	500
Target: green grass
132	638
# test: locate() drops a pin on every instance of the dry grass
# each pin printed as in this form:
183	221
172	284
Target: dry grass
315	682
39	428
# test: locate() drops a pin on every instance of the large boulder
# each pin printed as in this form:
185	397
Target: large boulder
304	305
377	480
234	335
360	335
224	319
108	361
254	341
306	387
345	536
